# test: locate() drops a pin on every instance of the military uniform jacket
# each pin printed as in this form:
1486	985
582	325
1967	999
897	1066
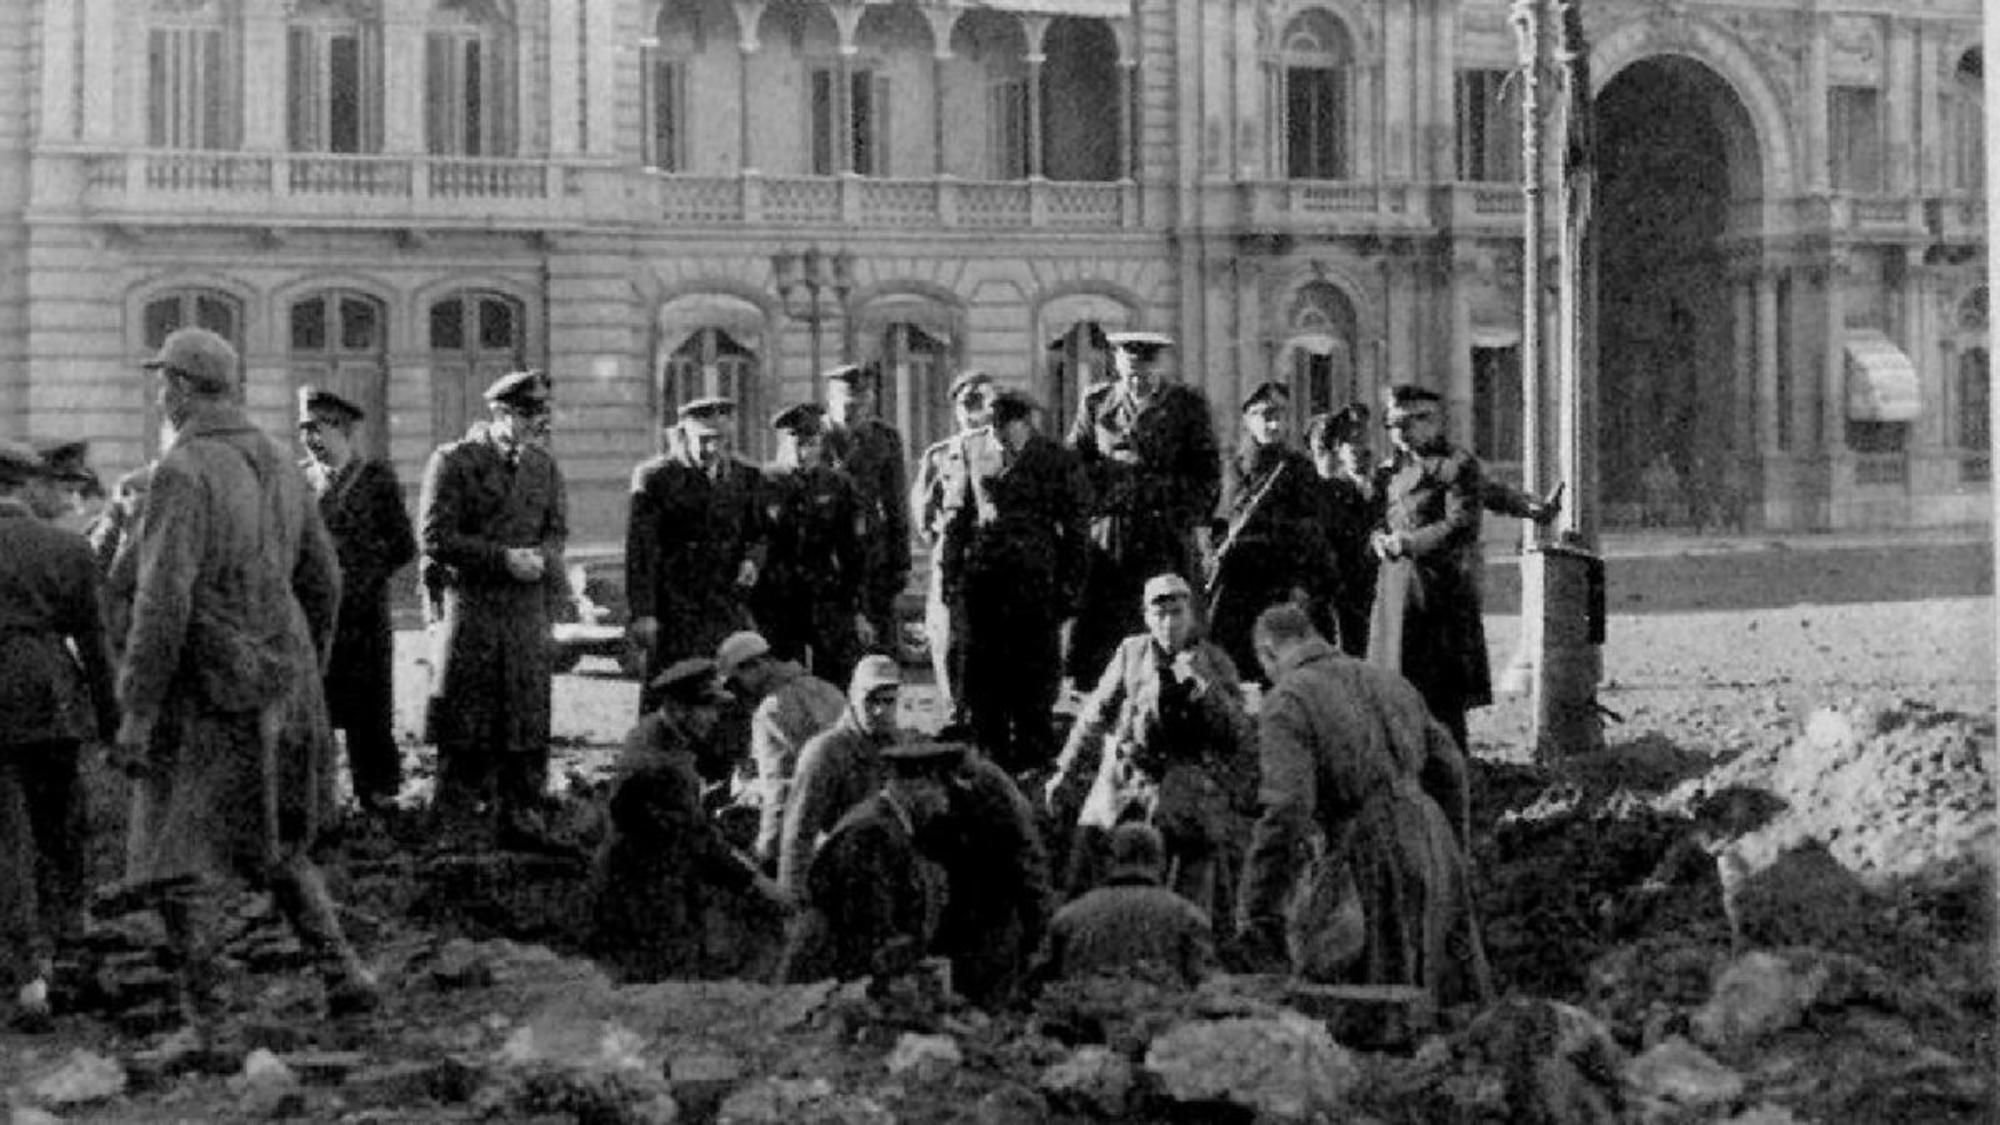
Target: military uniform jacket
1153	467
1015	524
870	452
813	520
687	537
49	601
1435	501
940	480
492	648
362	507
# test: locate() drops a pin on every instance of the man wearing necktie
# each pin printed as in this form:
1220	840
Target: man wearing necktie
494	522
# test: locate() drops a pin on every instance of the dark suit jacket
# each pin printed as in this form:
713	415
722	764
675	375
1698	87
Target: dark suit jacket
362	506
686	538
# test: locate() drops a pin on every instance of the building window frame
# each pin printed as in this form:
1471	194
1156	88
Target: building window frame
333	76
663	108
470	79
1317	98
193	75
848	122
1968	121
1855	140
1487	115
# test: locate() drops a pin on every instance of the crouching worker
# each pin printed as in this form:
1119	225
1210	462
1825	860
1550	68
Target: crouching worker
874	901
1130	924
674	899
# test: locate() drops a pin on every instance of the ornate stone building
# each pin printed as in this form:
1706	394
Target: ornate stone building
658	198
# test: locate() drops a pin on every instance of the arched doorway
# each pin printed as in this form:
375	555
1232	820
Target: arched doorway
1677	154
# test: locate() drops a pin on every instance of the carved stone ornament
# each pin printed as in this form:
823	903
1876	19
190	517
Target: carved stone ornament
1854	50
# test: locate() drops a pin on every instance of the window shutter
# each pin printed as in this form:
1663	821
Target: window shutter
821	120
159	88
439	99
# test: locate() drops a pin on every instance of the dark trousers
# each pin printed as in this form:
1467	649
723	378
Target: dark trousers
483	783
42	849
374	763
1013	673
192	911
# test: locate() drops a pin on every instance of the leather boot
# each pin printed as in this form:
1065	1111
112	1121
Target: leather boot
301	894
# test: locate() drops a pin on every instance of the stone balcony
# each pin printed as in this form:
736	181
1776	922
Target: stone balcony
941	203
274	189
1364	207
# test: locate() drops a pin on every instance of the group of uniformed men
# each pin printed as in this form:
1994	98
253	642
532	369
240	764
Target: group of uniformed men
1130	557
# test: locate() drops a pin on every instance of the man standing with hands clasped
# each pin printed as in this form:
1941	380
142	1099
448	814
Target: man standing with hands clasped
494	524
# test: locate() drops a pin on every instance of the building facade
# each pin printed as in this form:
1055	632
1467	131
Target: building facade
662	198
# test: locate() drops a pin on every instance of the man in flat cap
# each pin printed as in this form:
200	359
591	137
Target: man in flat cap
493	526
1427	623
874	900
789	706
670	889
1163	738
808	600
1351	507
1148	446
870	452
361	502
1012	560
224	727
1271	544
55	695
694	540
940	479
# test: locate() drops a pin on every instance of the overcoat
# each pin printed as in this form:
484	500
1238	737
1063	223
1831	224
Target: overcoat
686	539
666	879
492	651
362	506
55	666
1351	512
1352	752
233	612
870	452
998	894
1271	501
1435	500
1154	476
874	901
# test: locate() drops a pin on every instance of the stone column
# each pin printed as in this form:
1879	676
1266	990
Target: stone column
567	61
1818	153
1931	123
1127	82
402	80
1898	101
1743	363
105	121
1460	272
1767	361
1035	28
604	62
749	13
1833	402
59	117
1396	115
266	90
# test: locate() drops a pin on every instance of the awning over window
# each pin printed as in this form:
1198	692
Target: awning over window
1881	380
682	317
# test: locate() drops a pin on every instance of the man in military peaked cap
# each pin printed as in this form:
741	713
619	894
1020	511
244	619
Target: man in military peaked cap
1148	448
808	600
361	502
694	540
870	452
940	473
494	521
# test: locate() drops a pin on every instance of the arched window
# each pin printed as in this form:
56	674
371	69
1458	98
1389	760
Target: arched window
713	361
339	341
1079	359
1969	122
220	313
475	337
469	79
1318	70
913	372
1319	355
664	61
333	68
193	76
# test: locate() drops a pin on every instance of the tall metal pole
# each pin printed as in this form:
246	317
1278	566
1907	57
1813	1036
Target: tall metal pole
1561	576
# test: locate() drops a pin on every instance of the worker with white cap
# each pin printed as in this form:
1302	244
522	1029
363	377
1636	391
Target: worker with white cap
789	706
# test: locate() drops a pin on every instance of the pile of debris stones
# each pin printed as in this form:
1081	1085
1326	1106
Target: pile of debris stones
1681	937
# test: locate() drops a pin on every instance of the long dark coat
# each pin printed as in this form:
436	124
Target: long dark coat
686	539
1280	547
1435	501
1012	561
234	609
492	648
1154	475
870	452
362	506
811	585
667	882
1351	513
998	894
49	602
1350	750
